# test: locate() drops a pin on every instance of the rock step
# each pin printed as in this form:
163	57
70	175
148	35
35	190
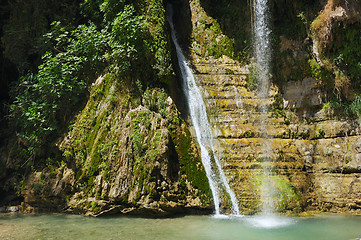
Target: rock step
225	104
220	80
240	130
281	166
231	92
243	117
248	149
239	120
238	117
220	69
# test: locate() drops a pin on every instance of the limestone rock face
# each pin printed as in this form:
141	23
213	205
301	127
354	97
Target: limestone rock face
124	159
315	164
313	158
335	12
305	93
48	190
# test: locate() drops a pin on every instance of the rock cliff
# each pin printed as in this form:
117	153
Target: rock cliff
313	155
124	159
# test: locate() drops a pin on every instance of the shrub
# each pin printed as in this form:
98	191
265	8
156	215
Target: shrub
45	100
355	106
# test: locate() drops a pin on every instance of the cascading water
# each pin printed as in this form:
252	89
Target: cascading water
263	50
198	114
263	54
238	98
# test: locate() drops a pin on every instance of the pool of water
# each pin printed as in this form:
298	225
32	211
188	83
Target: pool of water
59	226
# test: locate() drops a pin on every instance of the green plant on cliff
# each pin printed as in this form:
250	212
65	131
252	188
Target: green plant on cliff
126	40
277	108
251	79
346	51
208	36
46	99
355	107
319	72
43	100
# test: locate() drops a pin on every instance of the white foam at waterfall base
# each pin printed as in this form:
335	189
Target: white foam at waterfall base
198	114
269	221
259	221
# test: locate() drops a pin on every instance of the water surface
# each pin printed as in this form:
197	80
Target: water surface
58	226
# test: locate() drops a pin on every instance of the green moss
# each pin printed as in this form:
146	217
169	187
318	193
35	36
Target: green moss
209	37
89	145
139	119
319	72
286	195
94	206
251	79
248	134
228	26
190	164
320	133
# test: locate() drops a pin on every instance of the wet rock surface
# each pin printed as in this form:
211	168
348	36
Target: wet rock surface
315	160
123	161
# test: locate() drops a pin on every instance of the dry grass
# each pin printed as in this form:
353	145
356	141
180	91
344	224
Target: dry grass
322	25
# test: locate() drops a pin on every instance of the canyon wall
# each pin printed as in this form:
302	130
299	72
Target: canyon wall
313	153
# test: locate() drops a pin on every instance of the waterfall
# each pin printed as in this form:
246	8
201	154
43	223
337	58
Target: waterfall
238	98
197	110
263	53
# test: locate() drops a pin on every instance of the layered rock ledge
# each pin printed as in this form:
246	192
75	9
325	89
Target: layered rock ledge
315	160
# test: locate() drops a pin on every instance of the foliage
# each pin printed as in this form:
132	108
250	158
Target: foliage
43	101
126	39
111	8
251	79
39	99
355	107
346	52
90	9
85	42
157	41
229	17
319	72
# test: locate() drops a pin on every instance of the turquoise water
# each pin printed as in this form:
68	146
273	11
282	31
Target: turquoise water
58	226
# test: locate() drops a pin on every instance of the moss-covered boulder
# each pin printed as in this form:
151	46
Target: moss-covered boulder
126	157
